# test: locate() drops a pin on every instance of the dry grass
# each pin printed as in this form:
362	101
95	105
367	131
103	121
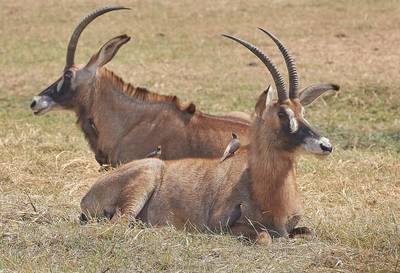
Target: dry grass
351	199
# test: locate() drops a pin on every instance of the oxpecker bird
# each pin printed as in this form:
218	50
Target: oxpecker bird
155	153
232	147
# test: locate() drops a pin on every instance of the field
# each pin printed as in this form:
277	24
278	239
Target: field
352	199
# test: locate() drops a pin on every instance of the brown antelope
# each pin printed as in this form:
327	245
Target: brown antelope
122	122
250	193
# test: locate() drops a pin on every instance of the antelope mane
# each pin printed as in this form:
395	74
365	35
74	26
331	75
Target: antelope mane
143	94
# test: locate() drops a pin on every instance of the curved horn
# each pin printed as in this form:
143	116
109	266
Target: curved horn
290	64
78	30
279	82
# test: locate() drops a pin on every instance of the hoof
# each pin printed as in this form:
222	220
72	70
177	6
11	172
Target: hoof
105	168
263	238
83	219
302	232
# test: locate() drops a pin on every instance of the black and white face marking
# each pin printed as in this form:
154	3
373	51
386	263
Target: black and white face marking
60	85
288	120
44	102
320	145
300	134
314	143
293	124
53	96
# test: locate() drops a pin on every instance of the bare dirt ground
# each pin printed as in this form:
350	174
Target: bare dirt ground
351	199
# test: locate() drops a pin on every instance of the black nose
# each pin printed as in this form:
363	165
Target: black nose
326	148
33	103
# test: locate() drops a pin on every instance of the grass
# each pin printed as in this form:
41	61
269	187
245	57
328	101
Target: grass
351	199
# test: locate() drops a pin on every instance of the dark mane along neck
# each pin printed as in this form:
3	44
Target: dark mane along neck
100	137
273	175
142	94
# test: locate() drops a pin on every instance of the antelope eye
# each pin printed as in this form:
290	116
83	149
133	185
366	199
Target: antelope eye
68	75
281	114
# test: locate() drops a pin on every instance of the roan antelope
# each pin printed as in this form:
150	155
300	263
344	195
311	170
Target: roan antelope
122	122
249	193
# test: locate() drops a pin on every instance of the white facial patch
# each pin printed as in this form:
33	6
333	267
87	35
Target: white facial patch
315	145
59	85
325	142
302	112
42	104
294	125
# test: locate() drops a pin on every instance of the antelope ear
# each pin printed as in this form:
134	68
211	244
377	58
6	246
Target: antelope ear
309	94
265	100
271	93
107	52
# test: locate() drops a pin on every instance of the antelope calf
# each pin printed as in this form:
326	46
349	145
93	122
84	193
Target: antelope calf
122	122
250	193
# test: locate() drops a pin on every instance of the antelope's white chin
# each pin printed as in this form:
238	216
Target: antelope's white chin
41	105
318	146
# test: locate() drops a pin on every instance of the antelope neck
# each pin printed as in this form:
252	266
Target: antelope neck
273	182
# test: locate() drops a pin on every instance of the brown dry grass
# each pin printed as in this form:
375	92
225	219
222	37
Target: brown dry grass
351	199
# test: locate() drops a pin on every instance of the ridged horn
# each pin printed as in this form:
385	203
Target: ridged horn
290	64
78	30
277	77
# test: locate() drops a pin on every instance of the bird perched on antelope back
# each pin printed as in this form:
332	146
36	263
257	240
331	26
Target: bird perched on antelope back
156	153
232	147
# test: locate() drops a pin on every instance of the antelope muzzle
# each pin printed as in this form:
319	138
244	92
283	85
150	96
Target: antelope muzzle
313	143
44	102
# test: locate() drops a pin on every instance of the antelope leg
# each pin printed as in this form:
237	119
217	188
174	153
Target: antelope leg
223	218
250	232
124	191
136	193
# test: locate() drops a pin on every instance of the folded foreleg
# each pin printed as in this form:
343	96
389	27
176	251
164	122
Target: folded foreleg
138	191
123	192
